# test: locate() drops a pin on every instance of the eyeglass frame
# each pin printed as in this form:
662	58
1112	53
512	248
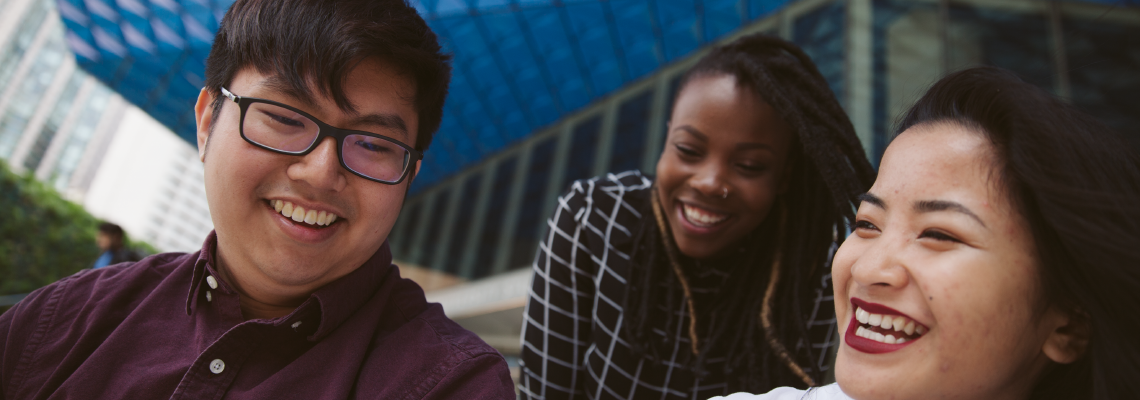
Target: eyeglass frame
323	130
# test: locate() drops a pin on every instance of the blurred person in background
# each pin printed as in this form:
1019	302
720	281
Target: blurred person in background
713	276
312	124
112	240
995	257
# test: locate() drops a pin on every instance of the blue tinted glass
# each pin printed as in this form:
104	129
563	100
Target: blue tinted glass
629	136
533	202
463	220
402	240
674	87
1103	59
582	147
910	27
1015	41
431	250
493	225
821	35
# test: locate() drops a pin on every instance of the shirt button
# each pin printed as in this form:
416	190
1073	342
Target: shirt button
217	366
211	281
209	297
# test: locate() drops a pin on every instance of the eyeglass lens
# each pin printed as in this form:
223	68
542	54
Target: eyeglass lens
285	130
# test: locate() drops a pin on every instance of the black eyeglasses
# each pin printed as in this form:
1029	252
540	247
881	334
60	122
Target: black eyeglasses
283	129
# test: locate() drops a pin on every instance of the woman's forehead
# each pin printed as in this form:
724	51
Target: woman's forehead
940	162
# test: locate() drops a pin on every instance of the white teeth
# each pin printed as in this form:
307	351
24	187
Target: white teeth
300	214
897	323
701	217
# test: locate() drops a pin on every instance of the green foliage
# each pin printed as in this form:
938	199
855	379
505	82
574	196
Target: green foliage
43	237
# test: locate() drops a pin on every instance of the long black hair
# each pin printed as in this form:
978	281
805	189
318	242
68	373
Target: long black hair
1077	184
760	311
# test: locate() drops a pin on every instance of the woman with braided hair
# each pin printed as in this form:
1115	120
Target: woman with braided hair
713	276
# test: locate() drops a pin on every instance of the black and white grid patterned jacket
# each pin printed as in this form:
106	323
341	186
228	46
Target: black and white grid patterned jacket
571	347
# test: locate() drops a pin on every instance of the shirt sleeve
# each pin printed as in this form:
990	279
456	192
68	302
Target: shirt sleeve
18	334
557	323
482	377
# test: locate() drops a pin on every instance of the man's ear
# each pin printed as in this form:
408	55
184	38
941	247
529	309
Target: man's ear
204	116
1069	339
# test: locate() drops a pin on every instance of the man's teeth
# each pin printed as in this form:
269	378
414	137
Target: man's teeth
300	214
701	217
896	323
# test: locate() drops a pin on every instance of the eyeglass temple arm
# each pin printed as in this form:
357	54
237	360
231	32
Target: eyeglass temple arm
229	95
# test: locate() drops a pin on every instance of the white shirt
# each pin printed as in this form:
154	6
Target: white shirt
829	392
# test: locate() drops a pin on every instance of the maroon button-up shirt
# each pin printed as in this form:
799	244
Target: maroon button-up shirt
166	327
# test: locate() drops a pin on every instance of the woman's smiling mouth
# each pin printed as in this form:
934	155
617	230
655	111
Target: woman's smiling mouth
875	328
700	220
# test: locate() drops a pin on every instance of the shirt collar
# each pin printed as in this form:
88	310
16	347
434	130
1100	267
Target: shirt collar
335	302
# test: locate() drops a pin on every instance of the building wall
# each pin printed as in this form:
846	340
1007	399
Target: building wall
877	55
71	131
151	183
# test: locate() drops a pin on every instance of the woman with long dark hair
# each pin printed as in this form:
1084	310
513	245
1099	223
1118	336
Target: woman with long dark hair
712	276
1003	236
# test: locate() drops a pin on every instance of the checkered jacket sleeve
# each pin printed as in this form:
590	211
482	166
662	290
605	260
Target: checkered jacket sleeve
556	323
560	311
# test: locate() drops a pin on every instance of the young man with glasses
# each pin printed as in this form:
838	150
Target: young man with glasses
312	124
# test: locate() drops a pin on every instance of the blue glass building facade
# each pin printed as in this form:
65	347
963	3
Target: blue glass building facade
548	91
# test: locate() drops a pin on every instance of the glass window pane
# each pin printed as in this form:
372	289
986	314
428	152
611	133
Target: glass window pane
821	35
533	202
496	210
402	246
12	52
30	91
430	246
1104	60
582	146
629	135
459	233
1019	42
82	132
51	126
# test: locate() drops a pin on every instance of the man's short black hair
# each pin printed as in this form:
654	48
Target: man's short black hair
314	44
110	229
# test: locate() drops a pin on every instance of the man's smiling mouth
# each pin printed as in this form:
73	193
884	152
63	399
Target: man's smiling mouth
312	218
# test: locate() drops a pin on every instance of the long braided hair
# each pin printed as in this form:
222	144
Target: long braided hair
757	319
